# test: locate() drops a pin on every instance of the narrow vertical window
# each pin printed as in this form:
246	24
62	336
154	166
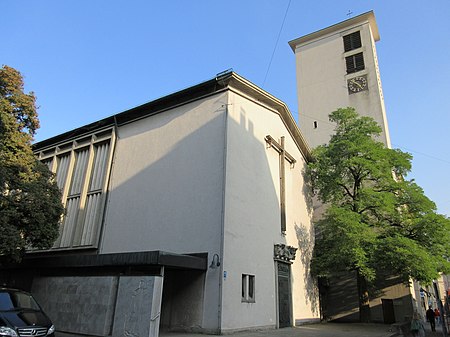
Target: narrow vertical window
244	287
94	199
48	163
315	124
251	288
74	197
248	288
62	170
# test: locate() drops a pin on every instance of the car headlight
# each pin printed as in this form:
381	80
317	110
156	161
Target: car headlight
51	330
5	331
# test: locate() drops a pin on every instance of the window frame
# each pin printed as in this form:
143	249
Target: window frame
356	62
83	232
248	288
352	41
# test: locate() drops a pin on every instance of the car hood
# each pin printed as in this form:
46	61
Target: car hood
23	318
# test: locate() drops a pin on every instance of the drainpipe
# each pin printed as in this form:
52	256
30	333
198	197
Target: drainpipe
222	232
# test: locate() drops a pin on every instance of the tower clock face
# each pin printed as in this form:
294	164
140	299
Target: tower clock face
357	84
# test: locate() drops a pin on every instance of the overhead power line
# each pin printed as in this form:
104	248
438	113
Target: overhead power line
423	154
395	145
276	44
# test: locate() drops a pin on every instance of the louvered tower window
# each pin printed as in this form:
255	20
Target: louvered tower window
354	63
352	41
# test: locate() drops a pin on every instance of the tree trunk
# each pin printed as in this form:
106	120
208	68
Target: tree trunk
363	295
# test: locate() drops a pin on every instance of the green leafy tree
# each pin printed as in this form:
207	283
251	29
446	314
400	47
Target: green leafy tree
375	220
30	201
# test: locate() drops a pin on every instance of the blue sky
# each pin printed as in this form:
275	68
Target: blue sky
86	60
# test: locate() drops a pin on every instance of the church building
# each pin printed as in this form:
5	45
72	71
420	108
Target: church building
188	213
192	213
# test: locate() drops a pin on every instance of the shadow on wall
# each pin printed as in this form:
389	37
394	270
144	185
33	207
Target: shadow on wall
166	176
389	299
182	302
167	188
305	240
308	191
339	298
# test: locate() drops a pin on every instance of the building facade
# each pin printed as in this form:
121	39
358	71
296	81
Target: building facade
187	213
191	212
337	67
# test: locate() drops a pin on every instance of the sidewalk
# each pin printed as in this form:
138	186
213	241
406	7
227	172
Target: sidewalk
322	330
311	330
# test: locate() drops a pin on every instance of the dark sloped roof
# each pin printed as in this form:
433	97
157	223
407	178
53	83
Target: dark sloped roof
228	80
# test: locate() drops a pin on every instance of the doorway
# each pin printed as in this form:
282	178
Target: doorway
388	311
182	300
284	294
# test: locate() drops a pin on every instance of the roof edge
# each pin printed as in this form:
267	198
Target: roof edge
198	261
262	96
359	19
222	81
156	106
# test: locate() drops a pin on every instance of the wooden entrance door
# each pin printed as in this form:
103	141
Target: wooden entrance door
284	294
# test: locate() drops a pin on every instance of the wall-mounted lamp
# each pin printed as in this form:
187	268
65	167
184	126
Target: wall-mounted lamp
215	261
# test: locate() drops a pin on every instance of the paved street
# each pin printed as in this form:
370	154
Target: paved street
311	330
321	330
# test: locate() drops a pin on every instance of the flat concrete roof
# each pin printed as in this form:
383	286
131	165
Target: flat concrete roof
116	260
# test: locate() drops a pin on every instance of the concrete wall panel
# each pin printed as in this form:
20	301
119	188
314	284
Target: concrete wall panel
138	306
83	305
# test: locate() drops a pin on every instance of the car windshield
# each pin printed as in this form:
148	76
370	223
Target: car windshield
13	300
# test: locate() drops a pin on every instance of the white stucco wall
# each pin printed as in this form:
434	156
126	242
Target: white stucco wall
321	87
252	217
166	182
166	188
167	193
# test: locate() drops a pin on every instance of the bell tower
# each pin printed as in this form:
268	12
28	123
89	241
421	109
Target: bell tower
337	67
